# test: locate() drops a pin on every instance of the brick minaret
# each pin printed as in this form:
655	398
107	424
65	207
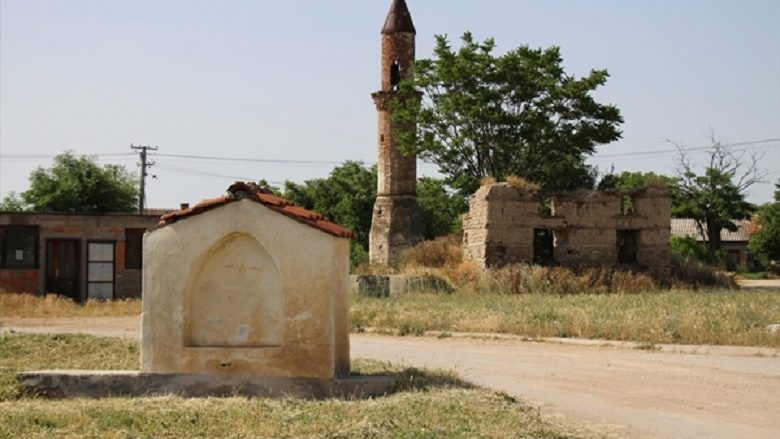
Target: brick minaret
397	223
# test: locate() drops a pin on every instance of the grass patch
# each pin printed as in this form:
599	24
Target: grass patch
430	404
27	305
44	351
670	317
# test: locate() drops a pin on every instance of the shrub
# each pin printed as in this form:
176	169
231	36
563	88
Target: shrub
688	248
528	279
442	251
695	274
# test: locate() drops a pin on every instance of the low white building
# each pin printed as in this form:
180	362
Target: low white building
246	284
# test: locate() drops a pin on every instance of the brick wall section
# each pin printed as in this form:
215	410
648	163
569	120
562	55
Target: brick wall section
19	281
397	219
499	228
84	228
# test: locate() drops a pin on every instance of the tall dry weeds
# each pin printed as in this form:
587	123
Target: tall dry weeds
27	305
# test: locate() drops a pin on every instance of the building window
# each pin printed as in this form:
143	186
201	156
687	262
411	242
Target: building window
627	242
134	241
18	247
546	206
100	270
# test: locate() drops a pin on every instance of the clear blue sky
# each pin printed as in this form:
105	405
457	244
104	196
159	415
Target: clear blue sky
291	79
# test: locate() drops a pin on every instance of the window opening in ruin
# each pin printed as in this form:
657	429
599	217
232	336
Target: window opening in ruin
134	239
395	75
627	205
627	242
18	247
547	206
544	247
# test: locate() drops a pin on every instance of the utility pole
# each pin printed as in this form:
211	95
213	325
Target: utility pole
145	164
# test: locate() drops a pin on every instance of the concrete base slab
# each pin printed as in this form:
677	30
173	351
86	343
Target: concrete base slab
104	384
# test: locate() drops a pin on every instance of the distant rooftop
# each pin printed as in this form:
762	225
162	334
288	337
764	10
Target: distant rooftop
687	227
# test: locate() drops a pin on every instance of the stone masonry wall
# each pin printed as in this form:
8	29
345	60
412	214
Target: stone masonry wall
499	228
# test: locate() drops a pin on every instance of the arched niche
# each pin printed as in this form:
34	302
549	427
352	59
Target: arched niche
234	298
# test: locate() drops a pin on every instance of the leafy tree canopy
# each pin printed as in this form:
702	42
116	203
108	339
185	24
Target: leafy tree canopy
635	180
347	197
79	185
12	203
442	208
515	114
716	196
765	244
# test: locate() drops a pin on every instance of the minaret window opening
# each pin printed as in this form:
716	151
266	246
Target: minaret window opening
395	75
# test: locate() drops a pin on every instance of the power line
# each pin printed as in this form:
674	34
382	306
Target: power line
751	144
250	160
51	156
297	162
211	174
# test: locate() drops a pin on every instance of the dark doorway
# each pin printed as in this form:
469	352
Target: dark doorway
62	267
627	242
732	260
544	247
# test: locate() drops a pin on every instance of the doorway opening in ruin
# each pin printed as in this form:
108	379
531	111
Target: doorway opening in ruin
544	247
627	243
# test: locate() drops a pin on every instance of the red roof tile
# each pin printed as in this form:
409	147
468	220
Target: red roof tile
241	190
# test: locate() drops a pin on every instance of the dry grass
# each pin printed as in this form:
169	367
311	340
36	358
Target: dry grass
675	317
27	305
430	404
445	251
694	274
443	258
487	181
521	184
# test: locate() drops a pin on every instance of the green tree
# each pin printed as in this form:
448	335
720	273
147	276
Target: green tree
716	197
345	197
442	208
765	244
80	185
12	203
635	180
515	114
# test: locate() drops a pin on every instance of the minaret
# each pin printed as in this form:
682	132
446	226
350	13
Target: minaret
397	222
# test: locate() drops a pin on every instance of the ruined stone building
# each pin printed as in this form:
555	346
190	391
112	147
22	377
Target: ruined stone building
397	220
624	229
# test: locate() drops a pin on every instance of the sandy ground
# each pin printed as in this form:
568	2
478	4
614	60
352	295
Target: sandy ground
723	393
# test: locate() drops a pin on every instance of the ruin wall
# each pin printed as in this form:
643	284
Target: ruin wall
589	228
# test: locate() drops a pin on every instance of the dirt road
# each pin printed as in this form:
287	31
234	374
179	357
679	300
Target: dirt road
726	393
759	285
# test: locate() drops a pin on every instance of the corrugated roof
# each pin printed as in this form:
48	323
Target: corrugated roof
240	190
399	19
687	227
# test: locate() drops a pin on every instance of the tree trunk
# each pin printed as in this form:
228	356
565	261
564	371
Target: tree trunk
713	239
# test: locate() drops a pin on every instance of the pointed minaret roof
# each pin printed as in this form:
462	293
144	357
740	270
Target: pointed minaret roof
399	19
